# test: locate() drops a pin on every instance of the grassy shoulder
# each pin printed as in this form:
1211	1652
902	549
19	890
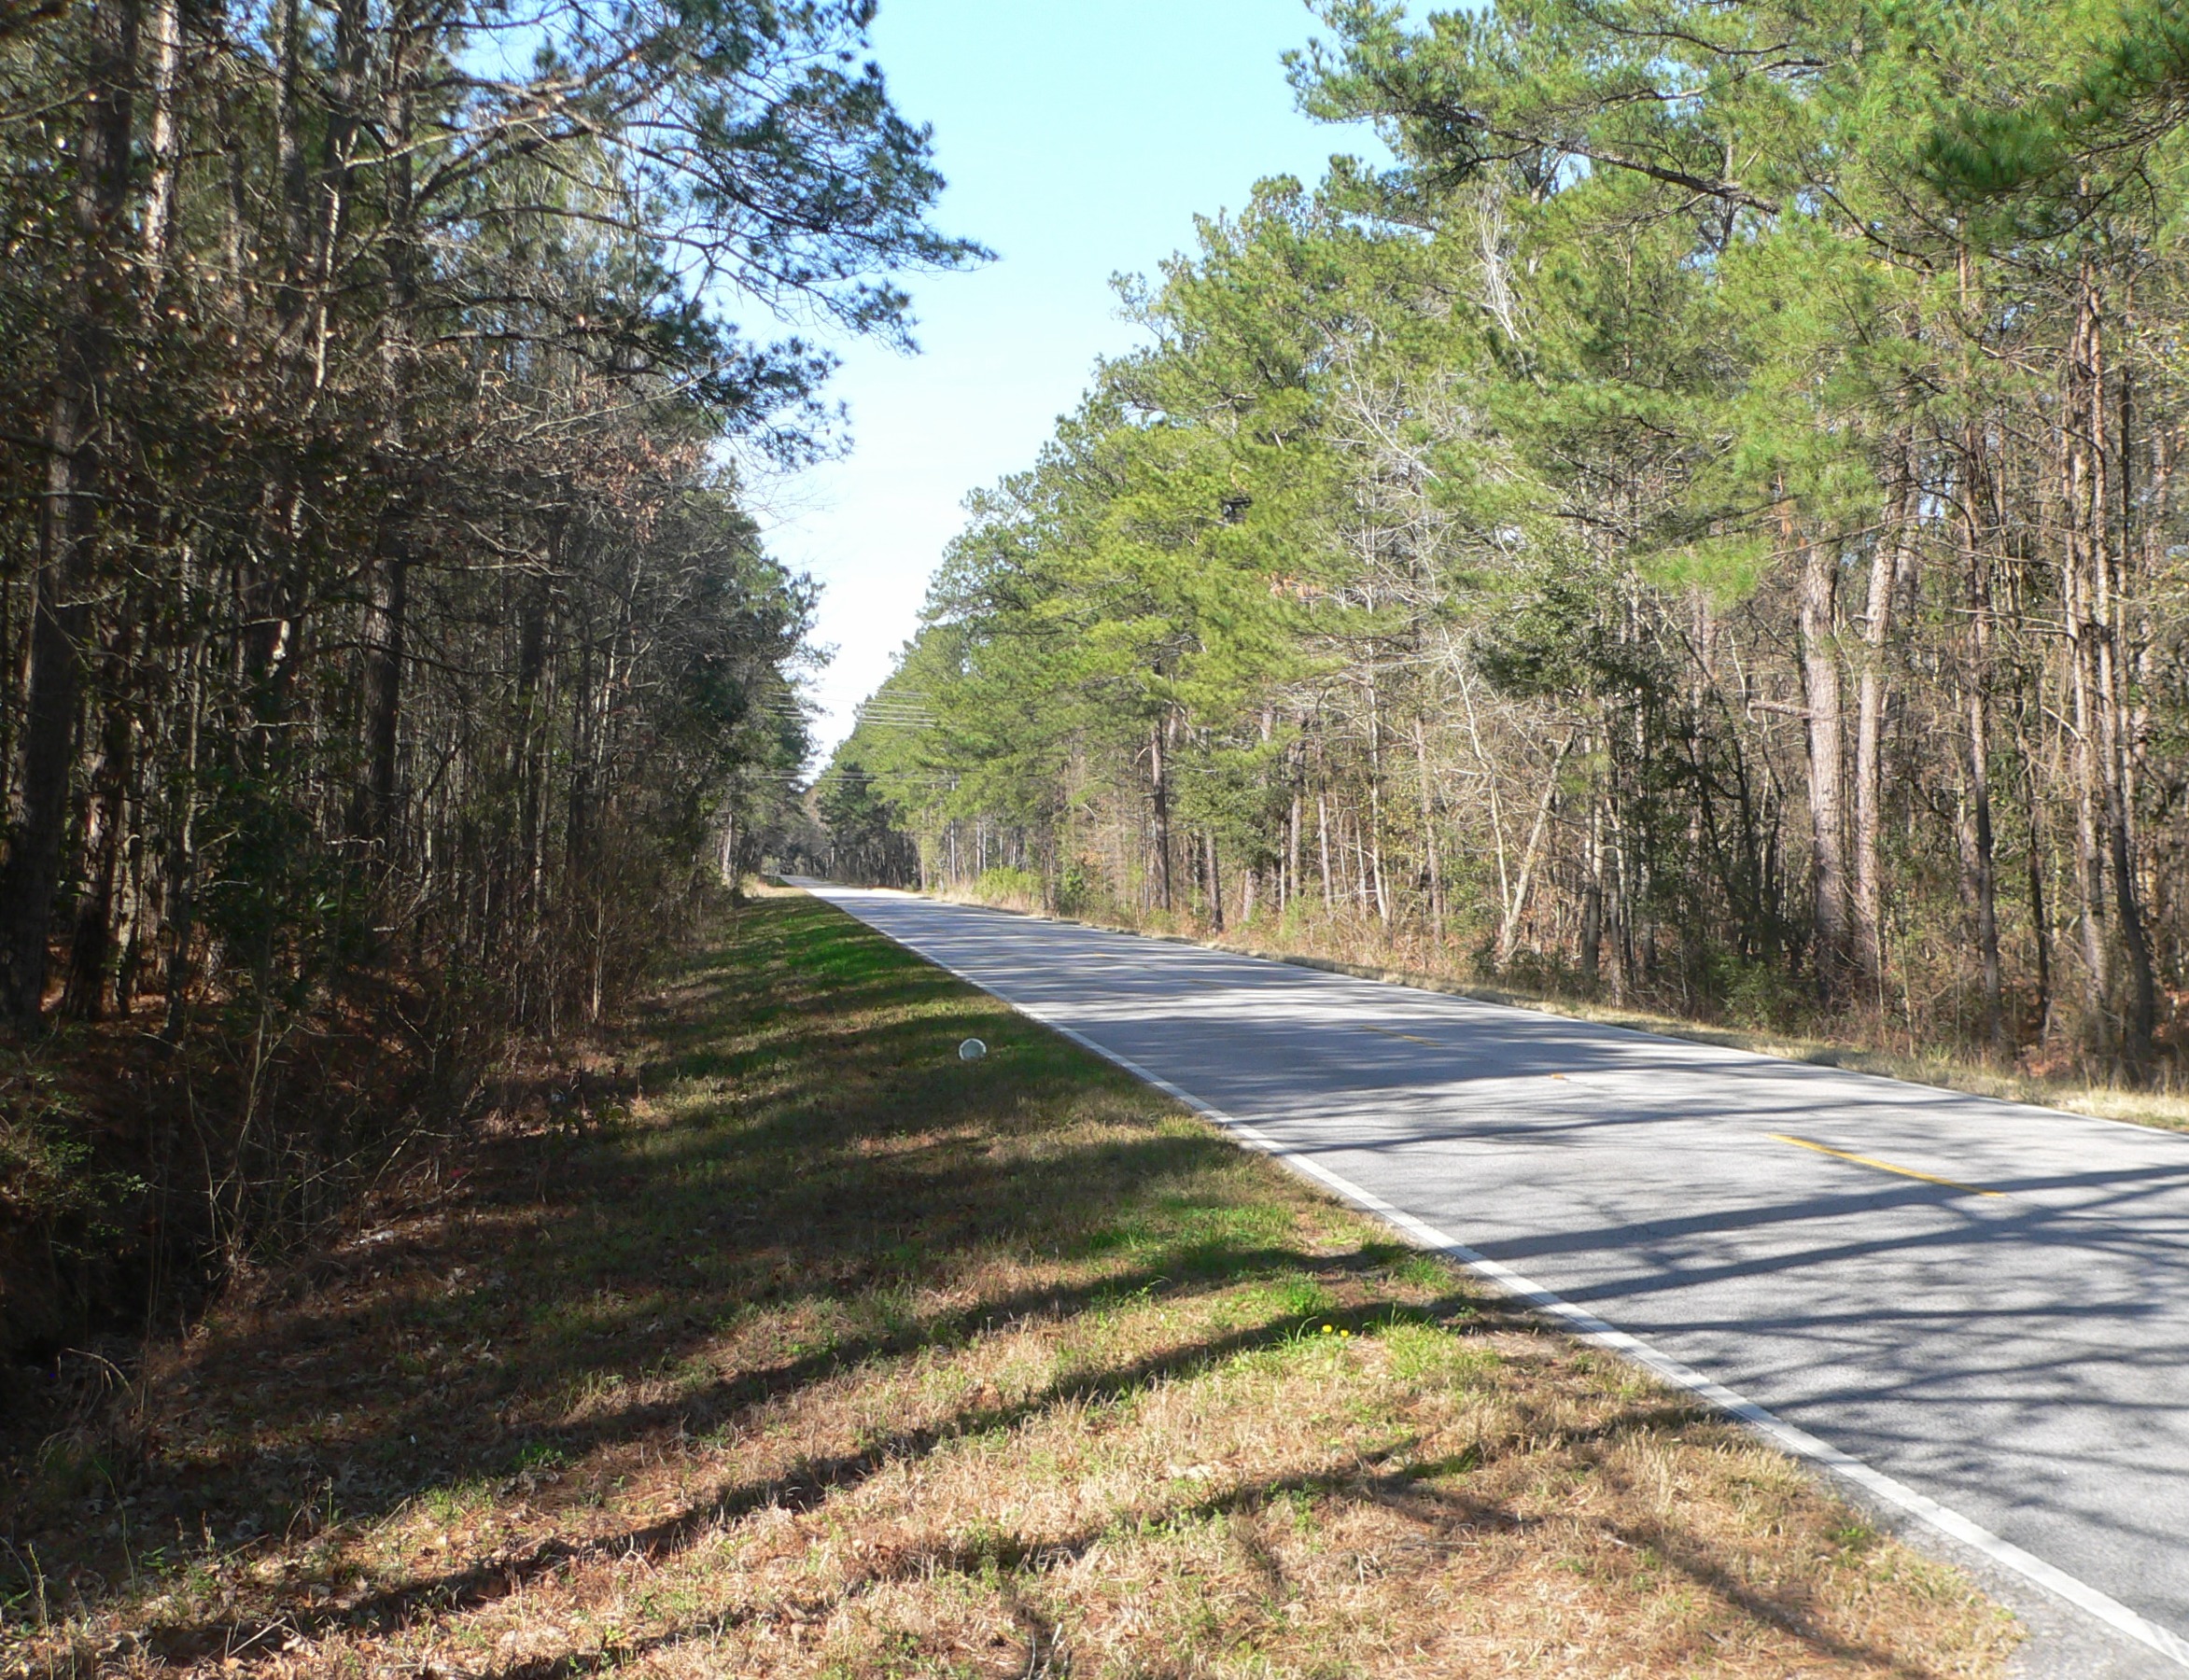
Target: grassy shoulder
834	1355
1319	945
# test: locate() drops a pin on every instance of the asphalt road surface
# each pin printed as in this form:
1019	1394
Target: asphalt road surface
1976	1303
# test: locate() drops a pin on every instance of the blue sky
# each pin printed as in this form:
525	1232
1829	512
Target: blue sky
1080	139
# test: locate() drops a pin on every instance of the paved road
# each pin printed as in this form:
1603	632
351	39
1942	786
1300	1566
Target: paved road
2008	1335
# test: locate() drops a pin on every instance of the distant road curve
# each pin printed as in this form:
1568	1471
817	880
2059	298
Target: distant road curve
1977	1311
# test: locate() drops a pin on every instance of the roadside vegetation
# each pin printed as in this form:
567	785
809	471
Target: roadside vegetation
1703	534
1890	1056
390	653
805	1348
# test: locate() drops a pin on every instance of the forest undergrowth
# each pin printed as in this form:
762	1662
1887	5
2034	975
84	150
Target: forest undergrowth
832	1354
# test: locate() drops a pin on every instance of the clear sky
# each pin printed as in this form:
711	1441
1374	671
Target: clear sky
1080	139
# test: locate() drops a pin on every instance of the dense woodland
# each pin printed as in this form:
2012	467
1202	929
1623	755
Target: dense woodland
1704	528
389	651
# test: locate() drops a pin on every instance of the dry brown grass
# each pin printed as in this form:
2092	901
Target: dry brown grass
841	1357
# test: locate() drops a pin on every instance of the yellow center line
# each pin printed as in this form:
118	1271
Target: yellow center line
1410	1038
1882	1166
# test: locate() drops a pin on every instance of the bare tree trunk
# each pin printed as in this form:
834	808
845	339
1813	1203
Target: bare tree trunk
344	122
136	918
1323	842
1432	853
289	156
531	748
1160	796
1592	945
1820	680
1362	875
1488	770
1509	929
1981	862
181	850
1288	887
2084	497
387	595
2141	1019
1375	825
386	614
88	992
164	138
1622	916
1983	865
2033	772
1887	561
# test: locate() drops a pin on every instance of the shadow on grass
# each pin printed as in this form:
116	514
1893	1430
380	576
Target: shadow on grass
1448	1521
819	1148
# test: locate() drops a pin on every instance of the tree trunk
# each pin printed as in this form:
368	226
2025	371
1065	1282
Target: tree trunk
387	595
1375	836
2034	773
385	616
2141	1019
1972	835
1322	843
164	140
2082	493
1159	790
181	863
1432	853
531	749
1820	681
1508	927
88	992
1886	560
1288	882
1592	944
1982	862
1620	910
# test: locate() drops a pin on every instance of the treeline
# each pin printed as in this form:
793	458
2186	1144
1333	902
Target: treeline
388	650
1703	529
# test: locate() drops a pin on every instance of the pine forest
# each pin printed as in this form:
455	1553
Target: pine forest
1700	529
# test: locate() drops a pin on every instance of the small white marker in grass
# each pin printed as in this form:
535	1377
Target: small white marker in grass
972	1050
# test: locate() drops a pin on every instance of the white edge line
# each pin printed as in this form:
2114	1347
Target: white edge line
1586	1326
